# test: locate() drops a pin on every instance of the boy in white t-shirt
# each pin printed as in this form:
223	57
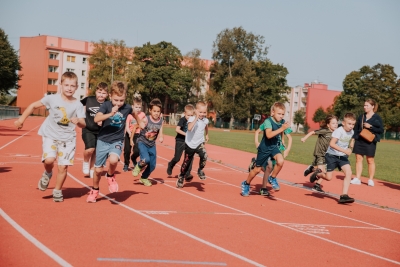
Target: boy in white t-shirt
194	143
58	131
338	153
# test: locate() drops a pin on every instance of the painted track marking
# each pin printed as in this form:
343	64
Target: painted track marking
164	261
9	143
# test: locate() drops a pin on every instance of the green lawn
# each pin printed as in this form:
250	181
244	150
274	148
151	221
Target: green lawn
387	161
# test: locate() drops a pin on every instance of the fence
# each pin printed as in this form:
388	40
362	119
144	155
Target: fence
391	136
8	112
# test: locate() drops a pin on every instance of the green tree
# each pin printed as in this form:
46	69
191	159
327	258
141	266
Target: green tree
299	119
9	65
319	115
197	69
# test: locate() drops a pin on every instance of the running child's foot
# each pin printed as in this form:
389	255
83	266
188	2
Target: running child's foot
317	188
92	196
180	181
136	170
44	181
345	199
309	170
274	183
314	176
355	181
112	183
57	196
126	167
252	164
169	169
188	178
264	192
245	189
85	168
145	181
201	174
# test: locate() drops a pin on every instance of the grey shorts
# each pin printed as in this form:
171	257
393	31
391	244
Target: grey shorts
104	150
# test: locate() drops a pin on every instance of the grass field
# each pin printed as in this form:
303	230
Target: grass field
387	161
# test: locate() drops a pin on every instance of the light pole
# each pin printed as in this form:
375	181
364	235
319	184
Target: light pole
112	70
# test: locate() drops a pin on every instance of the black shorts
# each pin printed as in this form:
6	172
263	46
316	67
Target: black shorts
333	162
263	156
89	138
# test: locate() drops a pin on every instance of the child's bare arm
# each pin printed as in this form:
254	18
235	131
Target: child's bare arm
256	142
179	131
28	111
269	133
287	150
333	145
206	131
307	136
80	122
161	134
193	123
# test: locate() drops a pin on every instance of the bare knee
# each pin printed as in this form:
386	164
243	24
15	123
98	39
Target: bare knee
98	171
113	159
62	168
90	150
370	160
49	161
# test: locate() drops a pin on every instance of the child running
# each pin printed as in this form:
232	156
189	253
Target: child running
151	128
113	114
195	143
268	148
132	132
338	153
181	130
321	146
89	133
58	131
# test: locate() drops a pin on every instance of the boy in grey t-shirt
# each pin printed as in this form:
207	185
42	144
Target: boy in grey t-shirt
58	131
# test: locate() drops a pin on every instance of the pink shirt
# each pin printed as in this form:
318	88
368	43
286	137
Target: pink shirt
132	122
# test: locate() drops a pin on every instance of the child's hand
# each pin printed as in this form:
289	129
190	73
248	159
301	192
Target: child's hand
207	138
348	152
286	153
18	124
285	125
114	110
100	123
303	139
161	139
132	144
74	120
257	144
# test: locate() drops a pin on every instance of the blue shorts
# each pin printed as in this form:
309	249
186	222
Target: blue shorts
104	150
333	162
264	156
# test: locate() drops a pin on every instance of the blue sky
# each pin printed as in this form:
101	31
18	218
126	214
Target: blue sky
314	39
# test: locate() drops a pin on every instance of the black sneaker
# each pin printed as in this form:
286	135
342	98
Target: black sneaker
252	164
201	174
345	199
169	170
188	178
125	169
309	170
180	181
317	188
264	192
314	176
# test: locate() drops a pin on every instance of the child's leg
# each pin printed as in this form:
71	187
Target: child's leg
61	176
253	174
347	178
48	164
267	172
144	155
136	151
93	159
322	175
279	164
113	163
202	152
152	162
188	157
127	149
88	154
179	149
102	152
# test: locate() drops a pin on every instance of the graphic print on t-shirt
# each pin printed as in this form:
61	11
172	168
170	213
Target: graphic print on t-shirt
64	121
94	111
152	132
117	120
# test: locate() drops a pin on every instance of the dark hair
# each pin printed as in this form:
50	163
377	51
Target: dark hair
155	102
327	120
102	86
373	103
350	115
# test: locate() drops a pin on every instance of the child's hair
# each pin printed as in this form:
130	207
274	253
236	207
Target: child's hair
189	107
327	120
350	116
155	102
69	75
137	98
278	105
373	103
200	103
102	86
118	88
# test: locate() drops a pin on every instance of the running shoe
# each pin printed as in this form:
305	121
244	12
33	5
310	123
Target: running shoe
112	183
85	168
252	164
274	183
317	188
356	181
44	181
371	182
126	167
188	178
314	176
145	181
245	189
92	196
201	174
345	199
169	169
136	170
309	170
180	181
58	196
264	192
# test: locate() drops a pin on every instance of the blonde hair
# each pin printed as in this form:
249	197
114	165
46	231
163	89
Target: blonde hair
372	103
277	105
69	75
137	98
118	88
189	107
201	103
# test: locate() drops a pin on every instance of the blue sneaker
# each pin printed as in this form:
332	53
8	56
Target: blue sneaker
245	189
274	183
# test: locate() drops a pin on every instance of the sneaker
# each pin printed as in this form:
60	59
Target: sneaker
58	196
169	169
317	188
371	182
44	181
345	199
85	168
264	192
92	196
136	170
252	164
274	183
180	181
145	181
201	174
309	170
188	178
112	183
91	173
126	167
314	176
245	189
355	181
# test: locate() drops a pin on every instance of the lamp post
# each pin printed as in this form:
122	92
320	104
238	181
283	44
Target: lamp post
112	70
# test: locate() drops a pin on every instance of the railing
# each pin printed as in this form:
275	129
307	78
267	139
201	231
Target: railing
8	112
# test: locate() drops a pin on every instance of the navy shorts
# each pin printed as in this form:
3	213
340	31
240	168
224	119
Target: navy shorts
264	156
333	162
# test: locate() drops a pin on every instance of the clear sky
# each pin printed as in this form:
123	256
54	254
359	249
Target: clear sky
314	39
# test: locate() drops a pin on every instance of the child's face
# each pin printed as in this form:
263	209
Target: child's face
333	124
201	111
155	112
117	100
188	113
278	114
68	87
137	107
348	124
101	95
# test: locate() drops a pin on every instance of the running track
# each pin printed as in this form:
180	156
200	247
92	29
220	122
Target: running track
207	223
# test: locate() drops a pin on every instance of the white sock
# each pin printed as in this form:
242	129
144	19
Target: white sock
57	191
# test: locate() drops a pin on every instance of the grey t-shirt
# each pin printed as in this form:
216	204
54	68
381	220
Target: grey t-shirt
149	134
195	137
343	141
57	125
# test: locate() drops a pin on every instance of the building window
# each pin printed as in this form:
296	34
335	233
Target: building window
53	55
296	94
295	104
84	60
71	58
52	81
82	85
71	70
52	69
83	72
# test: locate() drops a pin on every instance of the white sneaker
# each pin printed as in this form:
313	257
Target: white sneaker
355	181
371	182
85	168
91	173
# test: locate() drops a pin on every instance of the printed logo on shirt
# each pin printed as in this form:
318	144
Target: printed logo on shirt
94	111
117	120
64	121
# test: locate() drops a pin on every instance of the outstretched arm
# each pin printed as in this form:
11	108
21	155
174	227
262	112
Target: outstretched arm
28	111
307	136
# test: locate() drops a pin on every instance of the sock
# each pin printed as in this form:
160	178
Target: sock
246	183
56	191
110	175
273	177
95	188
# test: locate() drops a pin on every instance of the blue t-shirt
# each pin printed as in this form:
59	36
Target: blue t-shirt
113	128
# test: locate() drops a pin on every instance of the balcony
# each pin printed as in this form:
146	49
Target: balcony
52	75
303	109
304	90
52	88
54	62
304	99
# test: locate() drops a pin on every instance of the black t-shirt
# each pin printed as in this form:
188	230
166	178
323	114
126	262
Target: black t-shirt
183	123
92	107
113	128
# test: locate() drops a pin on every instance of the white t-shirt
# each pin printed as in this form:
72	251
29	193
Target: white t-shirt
196	136
57	125
343	141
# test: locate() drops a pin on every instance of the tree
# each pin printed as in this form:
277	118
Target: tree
299	118
319	115
9	63
197	69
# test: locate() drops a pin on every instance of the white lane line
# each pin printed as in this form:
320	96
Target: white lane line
18	138
334	226
164	261
282	225
173	227
307	207
33	240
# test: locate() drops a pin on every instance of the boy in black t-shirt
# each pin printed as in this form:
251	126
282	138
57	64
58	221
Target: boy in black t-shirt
181	130
89	134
